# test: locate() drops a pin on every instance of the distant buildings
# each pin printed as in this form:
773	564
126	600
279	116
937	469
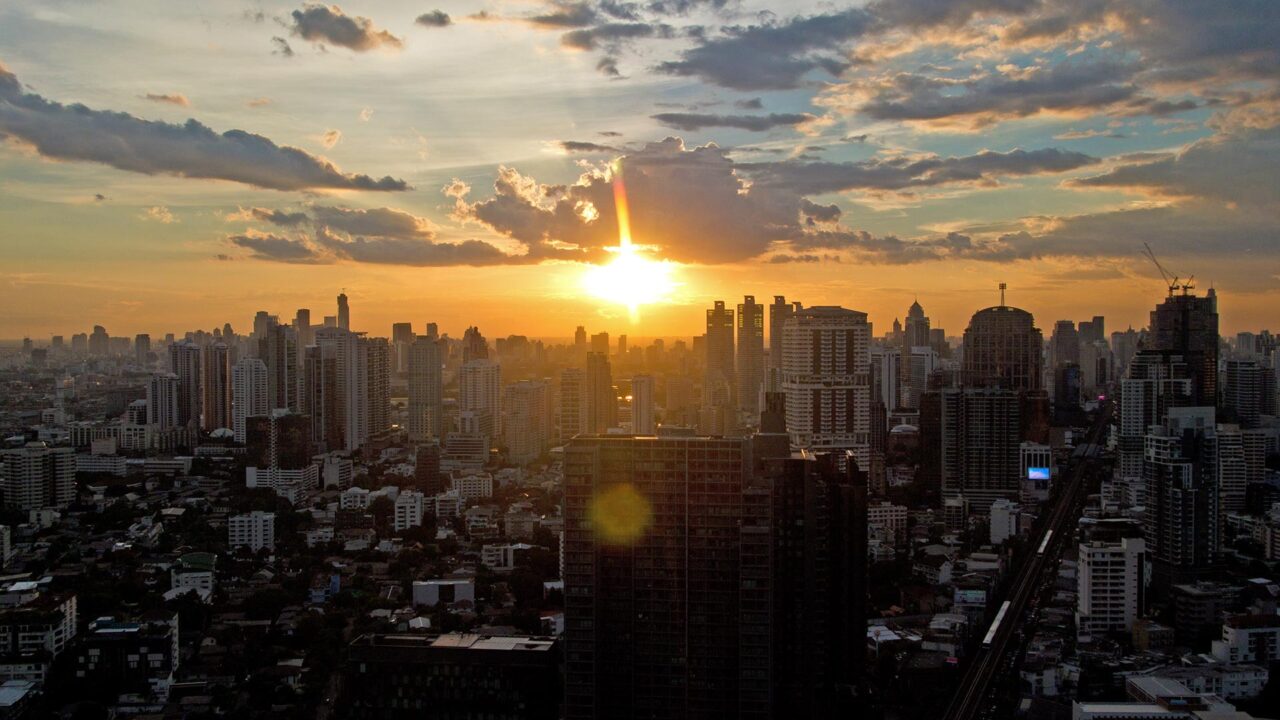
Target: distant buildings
37	476
254	530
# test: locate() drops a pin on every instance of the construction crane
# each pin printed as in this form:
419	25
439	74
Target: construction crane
1170	279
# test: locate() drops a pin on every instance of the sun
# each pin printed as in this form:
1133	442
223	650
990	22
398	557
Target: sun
630	278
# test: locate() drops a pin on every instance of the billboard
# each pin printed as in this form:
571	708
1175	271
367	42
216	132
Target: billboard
970	597
1038	473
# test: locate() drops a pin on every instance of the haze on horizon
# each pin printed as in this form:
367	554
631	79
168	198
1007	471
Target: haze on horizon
169	166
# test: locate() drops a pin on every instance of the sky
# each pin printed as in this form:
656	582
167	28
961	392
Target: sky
170	166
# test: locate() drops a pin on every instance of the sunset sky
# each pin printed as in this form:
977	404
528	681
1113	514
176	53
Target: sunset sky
167	166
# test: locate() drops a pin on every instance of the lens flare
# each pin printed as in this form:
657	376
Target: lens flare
630	278
620	515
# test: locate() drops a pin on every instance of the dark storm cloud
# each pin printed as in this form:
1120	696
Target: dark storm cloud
578	146
904	173
755	123
609	66
749	104
819	213
611	34
435	18
75	132
320	23
265	246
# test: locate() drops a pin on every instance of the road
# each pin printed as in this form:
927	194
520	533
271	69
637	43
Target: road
970	694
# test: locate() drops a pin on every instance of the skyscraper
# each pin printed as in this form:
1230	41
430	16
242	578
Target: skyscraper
600	399
344	312
826	378
915	334
750	356
426	397
215	387
642	392
980	436
779	311
474	345
184	361
1002	348
1188	325
142	349
1064	345
249	394
1156	381
305	334
718	379
1242	396
1181	522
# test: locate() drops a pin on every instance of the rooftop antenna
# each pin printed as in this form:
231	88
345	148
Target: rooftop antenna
1002	287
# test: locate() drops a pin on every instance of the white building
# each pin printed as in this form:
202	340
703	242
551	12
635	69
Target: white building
526	431
354	498
409	509
336	471
826	378
1004	520
1109	586
480	398
449	504
1248	639
37	476
473	484
248	394
502	558
255	530
162	401
892	519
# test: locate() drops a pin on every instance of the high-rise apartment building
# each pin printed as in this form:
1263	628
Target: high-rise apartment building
254	530
162	401
750	356
600	400
480	398
1181	522
1242	396
1110	587
979	436
826	377
215	387
526	429
642	402
1155	382
184	361
426	394
37	476
248	394
573	403
142	349
779	311
277	347
718	382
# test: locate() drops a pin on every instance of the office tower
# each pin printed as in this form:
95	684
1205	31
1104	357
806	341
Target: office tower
938	341
1092	331
779	311
1123	347
886	362
409	509
1242	382
915	334
184	361
1064	345
99	342
402	332
344	312
600	343
402	338
215	387
525	430
654	577
277	347
480	398
303	331
142	349
56	344
580	341
919	365
680	401
622	346
573	403
642	391
1188	325
80	343
1181	522
375	378
474	345
1067	387
37	476
916	329
433	331
750	356
254	530
330	321
979	438
1156	382
1002	349
718	380
1096	367
1110	587
600	400
351	381
162	401
826	377
426	396
248	394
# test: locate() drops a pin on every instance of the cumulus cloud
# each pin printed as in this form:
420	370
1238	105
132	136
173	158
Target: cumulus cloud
192	150
168	99
755	123
610	35
158	213
435	18
320	23
267	246
565	15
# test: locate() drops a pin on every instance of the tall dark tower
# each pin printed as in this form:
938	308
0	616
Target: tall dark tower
718	384
344	312
1002	347
750	356
1188	325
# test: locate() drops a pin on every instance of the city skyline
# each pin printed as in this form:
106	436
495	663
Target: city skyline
869	156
